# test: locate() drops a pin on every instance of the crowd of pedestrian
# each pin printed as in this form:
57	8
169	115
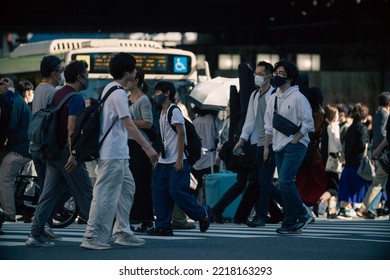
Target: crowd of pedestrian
306	155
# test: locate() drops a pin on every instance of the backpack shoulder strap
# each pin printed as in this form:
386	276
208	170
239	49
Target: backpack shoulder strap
64	99
170	116
276	104
254	96
111	90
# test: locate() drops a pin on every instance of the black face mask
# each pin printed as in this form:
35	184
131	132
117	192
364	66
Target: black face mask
279	81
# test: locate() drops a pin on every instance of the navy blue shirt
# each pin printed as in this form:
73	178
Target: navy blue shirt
20	118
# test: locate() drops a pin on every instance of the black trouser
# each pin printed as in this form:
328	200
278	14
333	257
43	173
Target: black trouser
142	169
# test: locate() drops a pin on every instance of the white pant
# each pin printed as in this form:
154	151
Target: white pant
113	196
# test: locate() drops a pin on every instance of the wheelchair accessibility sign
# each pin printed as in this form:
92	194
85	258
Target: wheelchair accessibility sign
180	64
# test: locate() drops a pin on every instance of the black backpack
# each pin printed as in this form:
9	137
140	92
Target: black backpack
42	129
193	149
84	140
5	117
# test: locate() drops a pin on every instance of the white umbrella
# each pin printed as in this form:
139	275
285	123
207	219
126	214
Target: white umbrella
213	94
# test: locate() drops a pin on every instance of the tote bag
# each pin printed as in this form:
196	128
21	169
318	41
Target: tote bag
333	164
366	168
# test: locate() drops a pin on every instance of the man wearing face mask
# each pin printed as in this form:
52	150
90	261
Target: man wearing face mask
171	176
289	149
52	71
263	192
113	192
64	172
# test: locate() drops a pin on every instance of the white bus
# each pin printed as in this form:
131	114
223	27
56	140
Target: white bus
175	65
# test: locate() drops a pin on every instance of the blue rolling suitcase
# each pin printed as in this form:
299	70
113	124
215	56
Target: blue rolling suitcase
216	184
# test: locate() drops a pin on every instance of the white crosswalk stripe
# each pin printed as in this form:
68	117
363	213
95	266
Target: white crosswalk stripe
364	230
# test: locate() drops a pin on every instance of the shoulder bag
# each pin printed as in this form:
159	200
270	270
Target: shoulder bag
282	124
366	168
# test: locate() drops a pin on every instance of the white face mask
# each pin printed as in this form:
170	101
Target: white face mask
259	80
30	98
62	79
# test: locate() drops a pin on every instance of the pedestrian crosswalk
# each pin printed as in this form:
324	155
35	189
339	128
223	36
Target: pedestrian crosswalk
15	234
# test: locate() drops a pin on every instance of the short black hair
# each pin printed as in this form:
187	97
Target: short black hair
49	64
267	66
384	98
291	70
121	63
164	86
73	69
25	86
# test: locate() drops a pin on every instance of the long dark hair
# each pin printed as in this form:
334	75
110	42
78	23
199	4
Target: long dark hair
140	76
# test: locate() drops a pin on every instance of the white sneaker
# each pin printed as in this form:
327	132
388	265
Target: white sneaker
128	240
94	244
49	234
40	241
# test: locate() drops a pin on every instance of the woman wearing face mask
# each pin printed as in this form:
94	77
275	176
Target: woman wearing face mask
289	149
27	91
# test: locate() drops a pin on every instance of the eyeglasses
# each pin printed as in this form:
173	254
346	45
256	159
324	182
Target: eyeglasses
280	74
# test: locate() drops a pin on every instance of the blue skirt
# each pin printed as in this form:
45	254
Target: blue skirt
352	187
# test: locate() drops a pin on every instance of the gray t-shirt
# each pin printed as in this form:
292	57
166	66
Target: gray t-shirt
141	110
43	93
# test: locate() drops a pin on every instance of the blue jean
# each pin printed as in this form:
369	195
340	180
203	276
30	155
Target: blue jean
288	161
170	186
268	190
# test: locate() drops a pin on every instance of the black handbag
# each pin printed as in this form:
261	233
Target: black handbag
282	124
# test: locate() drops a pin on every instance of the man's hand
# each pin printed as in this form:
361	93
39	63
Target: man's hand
151	153
71	164
179	164
238	147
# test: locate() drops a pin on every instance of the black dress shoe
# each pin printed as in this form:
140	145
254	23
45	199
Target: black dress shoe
274	219
369	215
382	211
160	231
217	217
256	222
